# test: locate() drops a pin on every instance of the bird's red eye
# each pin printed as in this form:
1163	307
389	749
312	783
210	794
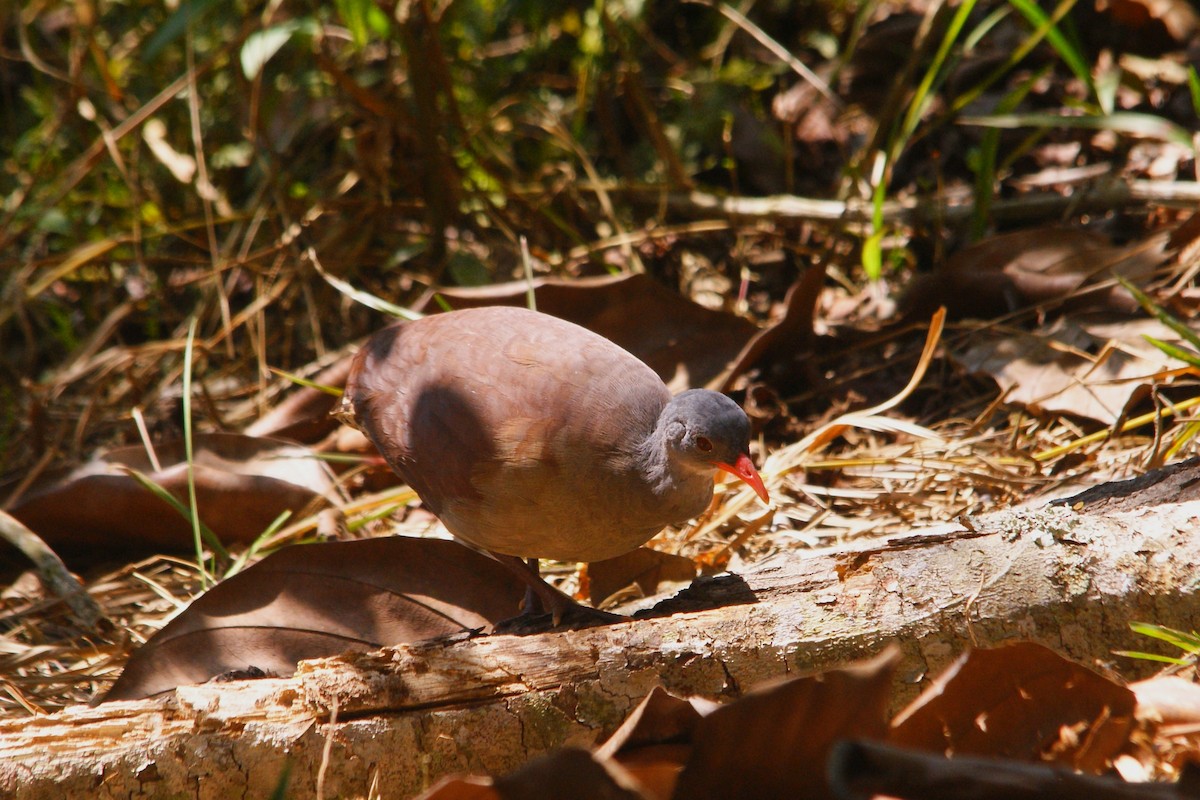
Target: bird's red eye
704	444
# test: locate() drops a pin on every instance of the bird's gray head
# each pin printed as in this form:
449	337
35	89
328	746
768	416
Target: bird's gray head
699	432
702	429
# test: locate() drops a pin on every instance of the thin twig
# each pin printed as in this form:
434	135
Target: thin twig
54	573
778	50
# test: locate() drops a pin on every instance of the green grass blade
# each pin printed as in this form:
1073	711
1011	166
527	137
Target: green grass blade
162	494
353	525
240	562
872	255
1182	662
194	515
367	299
1188	357
989	147
1066	51
1189	432
982	29
1014	58
1160	313
1188	642
932	78
296	379
1128	122
901	134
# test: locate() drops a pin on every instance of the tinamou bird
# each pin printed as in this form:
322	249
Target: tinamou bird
531	437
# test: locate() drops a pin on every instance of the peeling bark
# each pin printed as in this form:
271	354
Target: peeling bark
1071	576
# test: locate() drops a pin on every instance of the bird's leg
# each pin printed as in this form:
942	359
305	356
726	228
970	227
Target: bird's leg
549	600
528	604
539	596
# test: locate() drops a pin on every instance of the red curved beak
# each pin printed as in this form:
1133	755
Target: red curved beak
744	468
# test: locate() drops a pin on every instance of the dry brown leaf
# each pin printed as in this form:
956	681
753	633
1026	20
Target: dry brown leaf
1178	18
242	484
656	768
863	770
653	743
779	348
645	567
1020	701
569	774
1037	265
774	741
1086	366
661	718
309	601
1168	699
462	789
687	344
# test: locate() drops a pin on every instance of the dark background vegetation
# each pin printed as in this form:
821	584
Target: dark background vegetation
405	146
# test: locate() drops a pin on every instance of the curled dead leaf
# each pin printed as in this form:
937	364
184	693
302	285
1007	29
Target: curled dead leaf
243	483
1020	701
1178	17
1033	266
1168	699
774	741
309	601
1087	365
645	568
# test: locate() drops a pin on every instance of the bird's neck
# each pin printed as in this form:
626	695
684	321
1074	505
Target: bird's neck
670	478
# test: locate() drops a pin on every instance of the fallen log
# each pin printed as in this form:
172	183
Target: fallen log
1071	576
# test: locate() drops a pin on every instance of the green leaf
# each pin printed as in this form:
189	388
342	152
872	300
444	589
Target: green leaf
467	270
1194	88
1128	122
363	18
176	25
260	46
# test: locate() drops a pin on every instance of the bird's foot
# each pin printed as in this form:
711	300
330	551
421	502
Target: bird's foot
546	608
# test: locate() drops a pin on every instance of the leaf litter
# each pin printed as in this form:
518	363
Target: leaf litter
954	445
865	472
